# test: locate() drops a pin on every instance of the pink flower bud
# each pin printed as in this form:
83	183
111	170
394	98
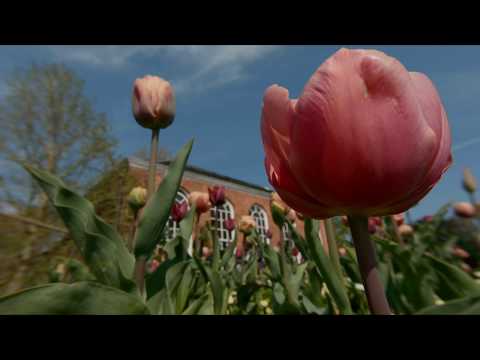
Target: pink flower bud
427	218
206	251
342	251
201	201
153	102
268	234
464	209
295	252
247	224
365	137
239	253
372	228
154	264
229	224
179	210
461	253
405	230
217	195
399	218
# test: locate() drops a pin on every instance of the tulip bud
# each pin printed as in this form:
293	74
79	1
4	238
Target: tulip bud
277	202
372	228
268	234
464	209
427	218
217	195
461	253
206	251
377	221
342	251
344	220
291	215
154	264
229	224
201	201
247	224
137	198
179	210
405	230
239	253
153	102
466	267
300	216
295	252
469	181
399	218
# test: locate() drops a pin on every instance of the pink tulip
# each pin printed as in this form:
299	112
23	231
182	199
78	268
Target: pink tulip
201	201
295	252
399	218
154	264
464	209
461	253
153	102
229	224
427	218
372	227
179	210
342	251
268	234
366	137
217	195
206	251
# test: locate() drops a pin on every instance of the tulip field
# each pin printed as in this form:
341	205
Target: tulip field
359	254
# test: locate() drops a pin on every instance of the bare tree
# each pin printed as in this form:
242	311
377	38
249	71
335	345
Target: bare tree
47	120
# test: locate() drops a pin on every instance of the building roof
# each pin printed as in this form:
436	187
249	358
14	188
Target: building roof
208	173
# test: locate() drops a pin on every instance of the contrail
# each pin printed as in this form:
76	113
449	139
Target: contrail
466	144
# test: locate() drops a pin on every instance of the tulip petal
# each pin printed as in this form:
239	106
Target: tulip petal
359	127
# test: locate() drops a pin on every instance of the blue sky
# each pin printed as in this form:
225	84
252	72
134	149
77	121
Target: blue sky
219	95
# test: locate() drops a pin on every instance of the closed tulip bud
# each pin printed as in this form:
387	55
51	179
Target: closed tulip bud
277	202
464	209
366	137
201	201
377	221
399	218
268	234
372	227
469	181
153	102
179	210
460	253
217	195
295	252
154	264
292	215
229	224
466	267
247	224
137	198
344	220
342	251
206	251
405	230
239	253
427	218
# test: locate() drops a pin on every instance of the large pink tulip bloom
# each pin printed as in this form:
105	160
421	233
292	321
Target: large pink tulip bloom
366	137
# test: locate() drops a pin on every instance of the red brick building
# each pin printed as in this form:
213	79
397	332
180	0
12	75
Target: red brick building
243	198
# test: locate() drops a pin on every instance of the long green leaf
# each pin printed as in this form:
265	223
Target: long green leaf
331	277
466	306
102	248
79	298
157	210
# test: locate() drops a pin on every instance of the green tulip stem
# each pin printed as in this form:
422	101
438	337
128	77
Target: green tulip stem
131	240
140	273
332	245
196	238
152	167
367	261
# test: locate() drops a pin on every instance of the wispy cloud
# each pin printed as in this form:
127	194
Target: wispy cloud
466	143
208	66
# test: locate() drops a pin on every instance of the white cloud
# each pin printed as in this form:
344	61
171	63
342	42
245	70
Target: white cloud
209	66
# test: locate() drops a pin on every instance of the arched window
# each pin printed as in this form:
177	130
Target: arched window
172	226
261	221
223	212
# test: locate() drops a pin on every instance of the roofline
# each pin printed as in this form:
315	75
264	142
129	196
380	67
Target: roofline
206	172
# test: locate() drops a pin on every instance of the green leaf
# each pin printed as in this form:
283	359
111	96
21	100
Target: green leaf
332	279
157	210
102	248
178	280
78	298
186	225
156	282
452	282
273	261
300	242
228	254
217	285
202	304
466	306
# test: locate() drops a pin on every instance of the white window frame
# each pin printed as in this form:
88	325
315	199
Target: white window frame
227	210
258	213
